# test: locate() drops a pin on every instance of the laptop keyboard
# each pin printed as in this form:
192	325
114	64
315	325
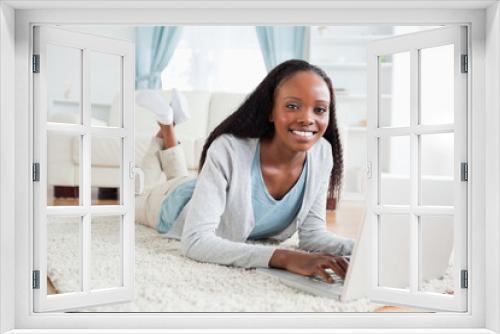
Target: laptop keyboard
336	278
314	285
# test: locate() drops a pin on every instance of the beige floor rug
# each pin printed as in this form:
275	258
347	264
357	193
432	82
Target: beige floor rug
166	281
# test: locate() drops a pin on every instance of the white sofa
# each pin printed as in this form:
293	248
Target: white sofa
207	110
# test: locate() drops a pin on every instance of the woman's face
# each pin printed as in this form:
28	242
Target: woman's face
301	111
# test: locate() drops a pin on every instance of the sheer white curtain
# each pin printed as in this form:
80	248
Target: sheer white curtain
216	58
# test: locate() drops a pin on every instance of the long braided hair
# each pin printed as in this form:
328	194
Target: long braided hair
251	119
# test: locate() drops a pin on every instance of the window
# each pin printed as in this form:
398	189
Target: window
480	130
417	155
342	52
70	59
222	59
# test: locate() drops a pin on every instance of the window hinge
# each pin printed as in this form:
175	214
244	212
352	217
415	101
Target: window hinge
36	279
464	281
464	171
465	64
36	172
369	170
36	63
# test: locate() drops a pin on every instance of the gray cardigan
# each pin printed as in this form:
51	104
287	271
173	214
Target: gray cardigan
218	219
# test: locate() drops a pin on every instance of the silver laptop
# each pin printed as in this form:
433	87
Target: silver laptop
355	284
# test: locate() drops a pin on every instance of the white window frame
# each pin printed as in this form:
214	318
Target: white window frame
412	44
86	132
483	18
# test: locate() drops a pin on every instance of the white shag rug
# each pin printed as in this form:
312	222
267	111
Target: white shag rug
166	281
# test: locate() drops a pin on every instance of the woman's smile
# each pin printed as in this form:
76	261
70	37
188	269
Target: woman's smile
303	135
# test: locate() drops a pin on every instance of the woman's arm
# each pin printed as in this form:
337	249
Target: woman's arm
208	203
309	264
313	235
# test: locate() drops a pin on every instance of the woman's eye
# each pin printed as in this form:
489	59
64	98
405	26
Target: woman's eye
292	106
321	110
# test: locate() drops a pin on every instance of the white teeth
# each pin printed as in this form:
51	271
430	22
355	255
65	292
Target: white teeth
306	134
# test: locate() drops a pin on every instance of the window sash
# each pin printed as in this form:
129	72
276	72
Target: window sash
413	43
85	132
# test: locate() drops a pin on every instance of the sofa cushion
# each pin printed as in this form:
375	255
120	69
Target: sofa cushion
144	122
207	111
198	104
188	148
192	150
187	133
221	106
142	142
106	151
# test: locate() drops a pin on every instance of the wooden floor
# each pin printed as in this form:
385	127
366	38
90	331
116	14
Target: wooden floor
73	201
349	224
346	221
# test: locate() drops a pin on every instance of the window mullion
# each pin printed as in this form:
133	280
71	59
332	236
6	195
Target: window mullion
86	172
414	162
373	194
128	188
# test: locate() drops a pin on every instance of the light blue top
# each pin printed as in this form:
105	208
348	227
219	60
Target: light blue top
218	219
271	216
173	204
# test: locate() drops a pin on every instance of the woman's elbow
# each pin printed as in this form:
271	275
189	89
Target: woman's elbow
188	246
307	245
347	247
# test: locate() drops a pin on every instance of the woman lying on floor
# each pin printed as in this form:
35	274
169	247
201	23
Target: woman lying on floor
264	172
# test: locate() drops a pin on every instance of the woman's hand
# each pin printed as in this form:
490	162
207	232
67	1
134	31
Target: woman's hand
309	264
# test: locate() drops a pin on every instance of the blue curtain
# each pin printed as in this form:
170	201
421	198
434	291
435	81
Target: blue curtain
281	43
154	48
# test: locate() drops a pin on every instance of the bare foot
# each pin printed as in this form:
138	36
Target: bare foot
161	130
164	127
168	135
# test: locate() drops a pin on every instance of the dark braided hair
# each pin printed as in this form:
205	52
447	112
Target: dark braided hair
251	119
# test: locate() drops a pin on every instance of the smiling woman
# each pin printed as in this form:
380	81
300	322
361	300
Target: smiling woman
283	141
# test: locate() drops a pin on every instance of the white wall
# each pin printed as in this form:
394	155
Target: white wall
7	167
492	169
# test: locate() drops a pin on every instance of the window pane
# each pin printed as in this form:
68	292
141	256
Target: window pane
64	84
437	169
394	169
394	240
436	250
107	160
106	252
64	253
436	85
63	169
106	86
394	90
